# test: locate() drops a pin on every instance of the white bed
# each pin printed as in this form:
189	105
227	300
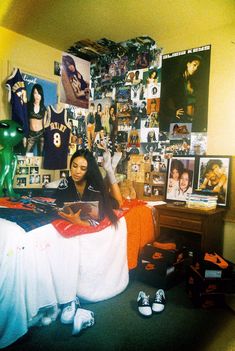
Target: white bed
42	268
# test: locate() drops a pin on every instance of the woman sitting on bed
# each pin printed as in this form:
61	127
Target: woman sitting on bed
86	184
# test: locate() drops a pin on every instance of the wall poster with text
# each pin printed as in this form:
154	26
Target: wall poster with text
185	88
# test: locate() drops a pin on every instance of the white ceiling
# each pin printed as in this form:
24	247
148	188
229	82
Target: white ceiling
61	23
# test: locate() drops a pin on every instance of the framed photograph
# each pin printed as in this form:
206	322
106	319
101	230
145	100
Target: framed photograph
180	178
213	177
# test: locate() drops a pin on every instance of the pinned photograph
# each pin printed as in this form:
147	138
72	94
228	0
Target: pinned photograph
180	130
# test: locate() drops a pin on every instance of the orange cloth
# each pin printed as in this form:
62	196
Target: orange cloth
140	229
6	202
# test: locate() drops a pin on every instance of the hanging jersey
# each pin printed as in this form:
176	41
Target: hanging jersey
18	98
56	139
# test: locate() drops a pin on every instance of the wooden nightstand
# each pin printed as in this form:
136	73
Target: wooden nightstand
207	224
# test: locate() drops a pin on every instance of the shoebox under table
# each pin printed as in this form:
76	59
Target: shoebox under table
210	281
162	265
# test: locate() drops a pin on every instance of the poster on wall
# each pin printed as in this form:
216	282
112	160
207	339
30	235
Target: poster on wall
184	88
75	81
41	93
48	88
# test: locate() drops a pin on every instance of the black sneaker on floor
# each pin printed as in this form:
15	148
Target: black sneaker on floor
143	304
159	301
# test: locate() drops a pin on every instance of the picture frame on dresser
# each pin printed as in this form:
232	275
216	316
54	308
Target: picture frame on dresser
213	177
180	178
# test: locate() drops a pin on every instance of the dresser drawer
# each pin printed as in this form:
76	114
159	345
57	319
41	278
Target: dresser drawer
193	225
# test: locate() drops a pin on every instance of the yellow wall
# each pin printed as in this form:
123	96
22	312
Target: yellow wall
221	113
39	59
27	54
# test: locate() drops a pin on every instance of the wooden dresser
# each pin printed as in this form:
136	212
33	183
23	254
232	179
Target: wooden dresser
208	224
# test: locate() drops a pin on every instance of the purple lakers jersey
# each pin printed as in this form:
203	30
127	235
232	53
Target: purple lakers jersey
56	139
18	98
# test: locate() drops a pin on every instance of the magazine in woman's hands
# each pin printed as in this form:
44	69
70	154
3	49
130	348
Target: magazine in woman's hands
88	208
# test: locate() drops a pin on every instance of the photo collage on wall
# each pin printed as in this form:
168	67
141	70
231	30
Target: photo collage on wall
129	97
30	173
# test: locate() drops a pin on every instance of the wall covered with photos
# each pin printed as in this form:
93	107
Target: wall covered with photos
129	104
125	96
15	48
133	105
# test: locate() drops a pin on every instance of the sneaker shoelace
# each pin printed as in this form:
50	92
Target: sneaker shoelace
159	297
145	300
68	308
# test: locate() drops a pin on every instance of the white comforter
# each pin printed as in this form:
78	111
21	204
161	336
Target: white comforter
41	268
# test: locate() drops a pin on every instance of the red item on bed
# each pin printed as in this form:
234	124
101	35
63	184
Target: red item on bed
140	228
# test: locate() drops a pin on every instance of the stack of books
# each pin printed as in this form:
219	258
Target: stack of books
204	202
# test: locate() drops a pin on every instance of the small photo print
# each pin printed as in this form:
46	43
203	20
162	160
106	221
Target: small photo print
198	144
57	68
34	179
147	176
64	174
147	189
148	148
158	179
46	179
153	105
123	109
135	167
142	60
34	170
134	77
149	135
163	166
180	130
157	190
23	170
123	94
21	182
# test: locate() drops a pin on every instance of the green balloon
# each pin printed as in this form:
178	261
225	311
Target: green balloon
11	134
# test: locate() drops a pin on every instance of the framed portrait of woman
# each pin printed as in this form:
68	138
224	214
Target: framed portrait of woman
180	178
213	177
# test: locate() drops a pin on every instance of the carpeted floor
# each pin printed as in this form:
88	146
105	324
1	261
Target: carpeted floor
119	327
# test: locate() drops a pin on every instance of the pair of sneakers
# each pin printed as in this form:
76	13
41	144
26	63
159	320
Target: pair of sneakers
158	304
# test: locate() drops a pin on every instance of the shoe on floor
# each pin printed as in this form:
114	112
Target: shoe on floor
82	320
143	304
53	312
68	313
159	301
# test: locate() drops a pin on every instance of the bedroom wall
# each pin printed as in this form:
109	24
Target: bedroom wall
27	54
20	51
221	113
